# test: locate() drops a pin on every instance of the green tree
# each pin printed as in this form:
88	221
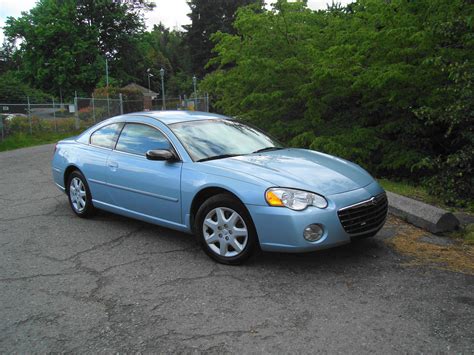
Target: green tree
164	48
7	59
207	18
14	90
63	43
388	84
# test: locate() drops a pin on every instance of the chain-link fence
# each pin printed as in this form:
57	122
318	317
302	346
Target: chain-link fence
32	118
181	103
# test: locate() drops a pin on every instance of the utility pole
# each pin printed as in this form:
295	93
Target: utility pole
106	72
162	74
150	75
195	93
107	83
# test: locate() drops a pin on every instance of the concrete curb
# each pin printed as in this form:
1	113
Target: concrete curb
430	218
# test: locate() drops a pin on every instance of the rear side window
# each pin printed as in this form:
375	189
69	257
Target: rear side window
138	139
106	136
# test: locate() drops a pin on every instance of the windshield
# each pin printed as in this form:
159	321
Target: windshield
213	139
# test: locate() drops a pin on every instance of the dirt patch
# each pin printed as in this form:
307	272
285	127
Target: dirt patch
412	241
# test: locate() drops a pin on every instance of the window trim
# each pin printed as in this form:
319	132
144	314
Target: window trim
119	130
149	125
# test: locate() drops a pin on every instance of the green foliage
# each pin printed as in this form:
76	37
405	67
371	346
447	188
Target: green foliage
394	79
132	99
23	124
164	48
13	90
64	43
208	17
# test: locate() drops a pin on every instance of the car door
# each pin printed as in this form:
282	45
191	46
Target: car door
139	185
94	163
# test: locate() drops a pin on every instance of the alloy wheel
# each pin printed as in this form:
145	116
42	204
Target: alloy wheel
77	192
225	232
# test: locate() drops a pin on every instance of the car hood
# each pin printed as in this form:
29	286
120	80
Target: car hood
299	168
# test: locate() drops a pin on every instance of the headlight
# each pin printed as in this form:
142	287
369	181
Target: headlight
294	199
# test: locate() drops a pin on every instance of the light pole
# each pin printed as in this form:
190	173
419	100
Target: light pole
162	74
150	75
195	94
106	72
107	83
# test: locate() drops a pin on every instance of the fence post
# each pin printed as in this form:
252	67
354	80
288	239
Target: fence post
54	115
76	111
93	108
29	115
121	103
207	102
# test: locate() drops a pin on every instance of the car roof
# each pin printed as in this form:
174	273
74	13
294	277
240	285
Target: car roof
170	117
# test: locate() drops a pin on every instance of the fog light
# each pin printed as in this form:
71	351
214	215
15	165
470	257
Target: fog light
313	232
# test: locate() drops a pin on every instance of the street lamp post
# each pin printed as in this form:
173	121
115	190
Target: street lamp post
107	83
106	72
150	75
162	74
195	93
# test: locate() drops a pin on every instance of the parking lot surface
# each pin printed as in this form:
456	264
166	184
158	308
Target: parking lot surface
116	284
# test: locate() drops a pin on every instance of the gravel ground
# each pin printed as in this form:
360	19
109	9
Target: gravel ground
115	284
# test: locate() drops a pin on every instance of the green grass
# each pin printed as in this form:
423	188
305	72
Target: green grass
466	235
22	140
405	189
420	193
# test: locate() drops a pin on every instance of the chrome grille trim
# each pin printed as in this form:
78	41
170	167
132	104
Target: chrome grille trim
364	217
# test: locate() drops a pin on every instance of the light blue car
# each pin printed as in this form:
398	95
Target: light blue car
237	189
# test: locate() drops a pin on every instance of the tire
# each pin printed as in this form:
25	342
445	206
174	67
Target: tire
225	230
79	195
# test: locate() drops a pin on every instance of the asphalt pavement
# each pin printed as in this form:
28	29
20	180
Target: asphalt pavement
113	284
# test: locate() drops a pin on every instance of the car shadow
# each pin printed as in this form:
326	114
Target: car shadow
358	252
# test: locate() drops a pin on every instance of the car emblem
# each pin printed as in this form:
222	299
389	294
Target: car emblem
373	201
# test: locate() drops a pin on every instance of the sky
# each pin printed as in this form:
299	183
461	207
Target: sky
172	13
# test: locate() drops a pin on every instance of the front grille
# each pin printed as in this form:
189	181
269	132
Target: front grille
364	217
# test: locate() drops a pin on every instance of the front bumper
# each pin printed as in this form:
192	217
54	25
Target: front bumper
281	229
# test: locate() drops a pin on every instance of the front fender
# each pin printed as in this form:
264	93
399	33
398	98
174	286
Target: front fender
192	182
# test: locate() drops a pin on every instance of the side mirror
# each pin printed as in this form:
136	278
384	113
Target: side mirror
162	154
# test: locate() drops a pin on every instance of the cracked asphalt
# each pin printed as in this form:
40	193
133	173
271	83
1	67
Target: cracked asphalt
113	284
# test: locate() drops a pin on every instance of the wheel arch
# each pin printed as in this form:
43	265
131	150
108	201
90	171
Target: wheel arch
203	195
68	172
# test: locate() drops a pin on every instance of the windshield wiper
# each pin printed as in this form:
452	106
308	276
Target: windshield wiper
267	149
222	156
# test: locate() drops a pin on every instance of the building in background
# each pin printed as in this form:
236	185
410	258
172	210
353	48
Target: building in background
148	95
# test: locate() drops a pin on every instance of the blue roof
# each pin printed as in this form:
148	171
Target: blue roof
169	117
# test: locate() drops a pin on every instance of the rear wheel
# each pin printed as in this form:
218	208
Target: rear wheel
225	230
79	195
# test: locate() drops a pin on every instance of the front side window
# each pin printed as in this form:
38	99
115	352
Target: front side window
106	136
138	139
210	139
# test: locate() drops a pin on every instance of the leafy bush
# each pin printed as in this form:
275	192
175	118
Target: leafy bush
13	89
398	74
454	177
132	99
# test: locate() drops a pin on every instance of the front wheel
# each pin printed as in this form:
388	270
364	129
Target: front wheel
225	230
